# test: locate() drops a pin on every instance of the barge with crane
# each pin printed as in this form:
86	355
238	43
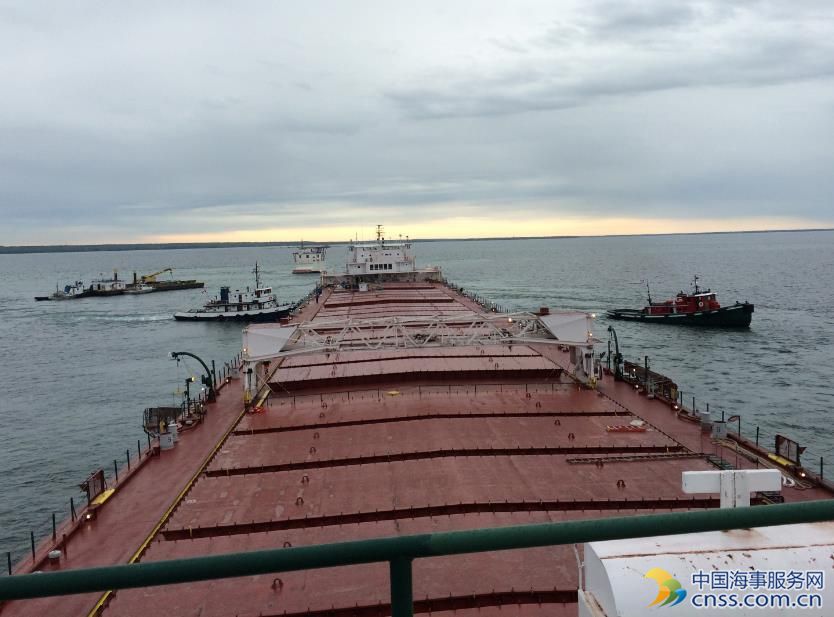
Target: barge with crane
395	406
114	286
166	284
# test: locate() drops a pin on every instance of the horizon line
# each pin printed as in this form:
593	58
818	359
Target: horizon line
152	246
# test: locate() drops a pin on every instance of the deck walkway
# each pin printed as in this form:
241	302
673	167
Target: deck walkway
134	511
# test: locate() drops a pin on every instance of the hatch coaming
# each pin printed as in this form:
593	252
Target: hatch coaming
497	344
358	464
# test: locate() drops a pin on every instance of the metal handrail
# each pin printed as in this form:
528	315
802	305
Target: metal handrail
401	551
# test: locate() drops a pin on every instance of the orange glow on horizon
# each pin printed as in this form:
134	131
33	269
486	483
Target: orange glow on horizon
478	227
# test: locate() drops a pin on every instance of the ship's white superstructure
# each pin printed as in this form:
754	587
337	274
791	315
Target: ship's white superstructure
107	286
381	261
309	259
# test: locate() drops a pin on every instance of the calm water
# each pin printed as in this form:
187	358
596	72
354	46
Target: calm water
77	375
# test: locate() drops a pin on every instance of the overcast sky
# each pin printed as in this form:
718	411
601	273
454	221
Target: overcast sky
144	121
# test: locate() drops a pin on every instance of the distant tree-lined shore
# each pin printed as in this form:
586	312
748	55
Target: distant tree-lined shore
87	248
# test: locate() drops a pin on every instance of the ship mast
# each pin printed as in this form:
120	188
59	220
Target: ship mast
379	232
695	283
257	276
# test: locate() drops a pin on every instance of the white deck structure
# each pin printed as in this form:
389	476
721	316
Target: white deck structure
719	573
380	261
309	259
759	571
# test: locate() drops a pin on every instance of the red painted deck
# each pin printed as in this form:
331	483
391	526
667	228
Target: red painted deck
369	443
124	522
548	574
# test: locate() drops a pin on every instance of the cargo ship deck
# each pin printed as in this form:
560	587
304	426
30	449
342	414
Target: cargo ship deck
362	437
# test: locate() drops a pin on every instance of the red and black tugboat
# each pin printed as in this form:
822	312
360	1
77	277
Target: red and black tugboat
699	308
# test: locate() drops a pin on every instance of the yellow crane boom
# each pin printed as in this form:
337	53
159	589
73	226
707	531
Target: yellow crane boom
151	278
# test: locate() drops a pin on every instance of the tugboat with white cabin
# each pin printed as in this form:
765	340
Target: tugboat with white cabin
71	291
379	262
257	305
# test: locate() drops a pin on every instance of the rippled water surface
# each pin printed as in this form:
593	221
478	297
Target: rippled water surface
77	375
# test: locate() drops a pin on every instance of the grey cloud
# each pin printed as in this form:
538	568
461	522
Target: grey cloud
509	44
769	50
277	117
630	18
